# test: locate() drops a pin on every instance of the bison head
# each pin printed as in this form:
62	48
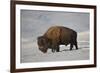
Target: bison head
42	44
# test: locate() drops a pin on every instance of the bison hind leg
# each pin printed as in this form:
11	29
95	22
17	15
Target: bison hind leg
75	43
76	46
71	46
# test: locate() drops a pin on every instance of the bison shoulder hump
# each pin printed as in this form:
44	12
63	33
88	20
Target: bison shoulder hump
53	32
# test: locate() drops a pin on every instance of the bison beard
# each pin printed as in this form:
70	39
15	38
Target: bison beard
55	36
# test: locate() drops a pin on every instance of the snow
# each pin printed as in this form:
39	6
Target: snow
31	53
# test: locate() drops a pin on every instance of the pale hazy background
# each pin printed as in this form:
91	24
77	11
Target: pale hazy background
35	23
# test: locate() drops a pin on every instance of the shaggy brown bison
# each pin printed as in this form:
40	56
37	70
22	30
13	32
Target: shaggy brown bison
55	36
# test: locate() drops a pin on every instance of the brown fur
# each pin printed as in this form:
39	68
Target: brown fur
55	36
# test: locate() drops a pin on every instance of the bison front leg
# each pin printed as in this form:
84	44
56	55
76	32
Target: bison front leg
57	49
53	50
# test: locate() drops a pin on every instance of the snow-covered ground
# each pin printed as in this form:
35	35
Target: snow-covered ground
31	53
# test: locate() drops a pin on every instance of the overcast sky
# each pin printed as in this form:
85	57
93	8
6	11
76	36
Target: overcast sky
35	23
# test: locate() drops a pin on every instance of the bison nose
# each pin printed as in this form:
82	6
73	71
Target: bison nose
43	50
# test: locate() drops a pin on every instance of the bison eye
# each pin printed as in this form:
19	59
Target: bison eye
40	42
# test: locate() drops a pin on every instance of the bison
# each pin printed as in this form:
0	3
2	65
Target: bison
56	36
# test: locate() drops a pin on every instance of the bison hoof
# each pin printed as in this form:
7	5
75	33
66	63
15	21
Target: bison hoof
58	51
70	49
53	51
